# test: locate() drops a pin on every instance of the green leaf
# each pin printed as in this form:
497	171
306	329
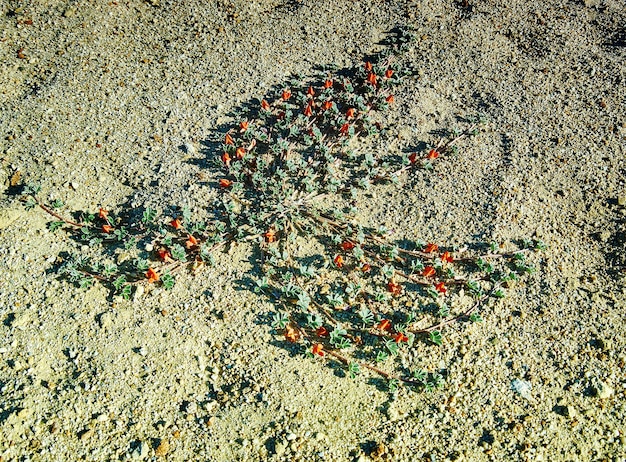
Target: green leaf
435	337
168	280
148	215
54	225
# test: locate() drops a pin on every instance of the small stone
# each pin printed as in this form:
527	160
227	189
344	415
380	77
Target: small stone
74	185
85	435
162	449
570	411
139	291
291	436
106	320
603	390
621	201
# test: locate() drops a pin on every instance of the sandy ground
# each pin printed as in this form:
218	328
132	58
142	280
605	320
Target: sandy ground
108	103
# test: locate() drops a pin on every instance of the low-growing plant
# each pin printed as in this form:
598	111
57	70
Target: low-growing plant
290	175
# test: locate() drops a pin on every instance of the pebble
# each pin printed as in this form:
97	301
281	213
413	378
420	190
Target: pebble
162	449
140	451
621	201
603	390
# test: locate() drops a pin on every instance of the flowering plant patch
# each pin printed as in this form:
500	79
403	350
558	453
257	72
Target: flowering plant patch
290	173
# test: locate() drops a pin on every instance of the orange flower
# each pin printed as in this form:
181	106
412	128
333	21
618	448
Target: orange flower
270	236
388	73
371	78
429	271
226	158
163	254
321	331
390	99
431	248
103	214
318	349
394	287
286	94
291	334
310	92
191	242
384	324
366	267
368	66
344	128
265	105
327	105
347	245
240	152
243	125
228	139
338	261
432	154
446	257
107	228
328	83
224	183
152	275
400	337
413	157
350	113
441	287
308	111
176	223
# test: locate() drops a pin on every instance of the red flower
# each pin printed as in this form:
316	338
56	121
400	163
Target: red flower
226	158
163	254
413	157
429	271
328	84
176	223
388	73
243	125
384	324
292	334
431	248
265	105
366	267
286	94
344	128
371	78
308	111
224	183
152	275
321	331
270	235
240	152
350	113
347	245
441	287
394	288
368	66
318	349
432	154
446	257
327	105
103	214
338	261
390	99
191	242
400	337
310	92
228	139
107	228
